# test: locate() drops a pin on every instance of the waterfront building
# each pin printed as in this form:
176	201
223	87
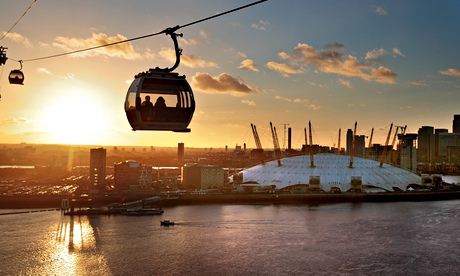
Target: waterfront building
202	177
97	169
447	140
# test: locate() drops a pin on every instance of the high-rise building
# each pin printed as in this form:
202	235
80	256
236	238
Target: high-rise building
438	147
349	140
448	140
426	144
180	154
360	145
437	133
408	152
456	124
127	174
97	165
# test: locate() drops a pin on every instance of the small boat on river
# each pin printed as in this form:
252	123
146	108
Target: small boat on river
166	223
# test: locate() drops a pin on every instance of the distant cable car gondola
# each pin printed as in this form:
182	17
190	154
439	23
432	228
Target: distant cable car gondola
160	99
16	77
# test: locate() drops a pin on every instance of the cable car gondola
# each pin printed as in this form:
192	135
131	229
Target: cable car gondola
160	99
16	77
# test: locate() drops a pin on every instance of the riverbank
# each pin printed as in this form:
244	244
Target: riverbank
309	198
202	199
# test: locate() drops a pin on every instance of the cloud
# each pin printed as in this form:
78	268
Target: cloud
296	100
380	11
398	52
451	72
248	64
345	82
19	38
122	50
376	54
283	99
44	70
194	41
313	107
333	62
406	107
418	83
334	46
282	68
261	25
248	102
222	84
14	121
190	61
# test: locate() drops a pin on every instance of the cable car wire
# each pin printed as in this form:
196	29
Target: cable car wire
166	31
31	5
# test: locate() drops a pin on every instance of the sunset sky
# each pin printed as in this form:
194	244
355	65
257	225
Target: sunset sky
288	62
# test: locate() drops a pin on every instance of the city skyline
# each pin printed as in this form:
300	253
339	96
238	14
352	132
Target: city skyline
329	62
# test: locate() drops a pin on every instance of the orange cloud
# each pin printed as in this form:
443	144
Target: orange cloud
190	61
222	84
122	50
296	100
248	102
345	82
248	64
333	62
282	68
451	72
19	38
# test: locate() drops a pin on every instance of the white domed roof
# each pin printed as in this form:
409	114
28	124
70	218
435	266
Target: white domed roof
333	171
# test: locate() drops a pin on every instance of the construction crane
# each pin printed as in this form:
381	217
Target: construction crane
398	147
312	163
260	150
352	151
276	144
306	139
284	135
338	144
384	154
368	152
393	143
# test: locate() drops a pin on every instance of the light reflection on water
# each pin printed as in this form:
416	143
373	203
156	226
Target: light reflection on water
407	238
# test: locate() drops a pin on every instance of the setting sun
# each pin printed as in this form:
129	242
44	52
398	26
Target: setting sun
73	117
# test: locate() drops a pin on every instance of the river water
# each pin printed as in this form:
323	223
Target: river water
403	238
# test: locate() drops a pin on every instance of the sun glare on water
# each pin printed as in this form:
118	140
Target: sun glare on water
74	117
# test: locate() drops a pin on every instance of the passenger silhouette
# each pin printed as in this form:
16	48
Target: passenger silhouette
160	102
160	109
147	109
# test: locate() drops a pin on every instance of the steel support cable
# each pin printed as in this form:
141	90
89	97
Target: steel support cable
166	31
31	5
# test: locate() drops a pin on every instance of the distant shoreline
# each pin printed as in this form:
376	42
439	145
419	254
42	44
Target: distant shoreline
22	202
